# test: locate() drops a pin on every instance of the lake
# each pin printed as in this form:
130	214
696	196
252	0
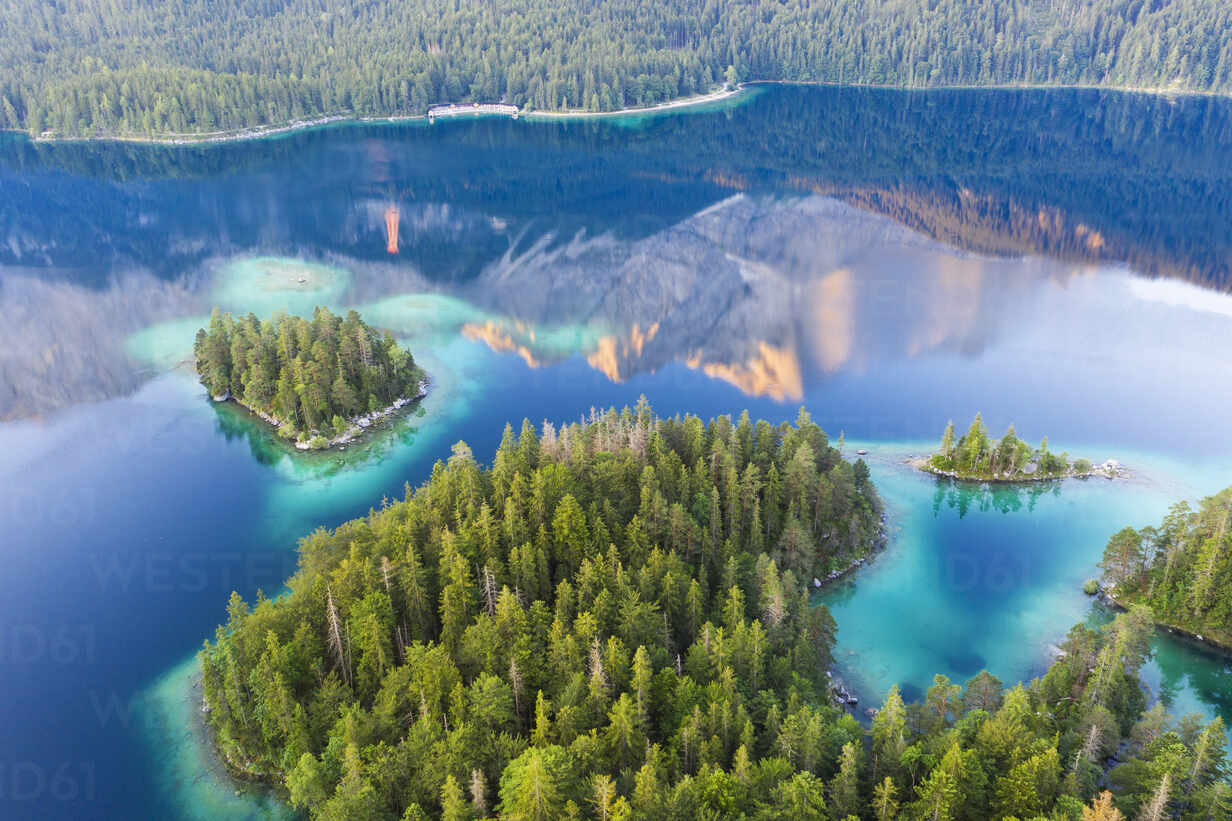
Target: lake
1060	260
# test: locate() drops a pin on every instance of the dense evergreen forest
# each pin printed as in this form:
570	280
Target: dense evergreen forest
1181	568
976	456
311	378
613	622
81	67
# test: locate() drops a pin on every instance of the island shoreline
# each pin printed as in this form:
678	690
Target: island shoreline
1096	472
360	426
208	735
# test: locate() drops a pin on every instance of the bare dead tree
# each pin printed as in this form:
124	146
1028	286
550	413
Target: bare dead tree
335	636
489	591
1157	808
515	680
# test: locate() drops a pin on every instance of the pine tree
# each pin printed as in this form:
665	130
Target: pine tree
845	789
947	441
453	804
529	787
884	804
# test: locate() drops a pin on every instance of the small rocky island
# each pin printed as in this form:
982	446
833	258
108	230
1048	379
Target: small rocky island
976	457
320	382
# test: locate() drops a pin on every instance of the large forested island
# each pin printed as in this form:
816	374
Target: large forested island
976	457
613	622
88	68
319	381
1181	569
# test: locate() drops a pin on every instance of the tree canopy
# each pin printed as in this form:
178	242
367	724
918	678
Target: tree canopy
84	67
628	597
1181	568
312	377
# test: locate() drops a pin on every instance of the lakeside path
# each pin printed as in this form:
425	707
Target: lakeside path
683	102
283	129
1147	90
264	132
259	132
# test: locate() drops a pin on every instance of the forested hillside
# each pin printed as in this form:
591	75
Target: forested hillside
613	622
80	67
1181	568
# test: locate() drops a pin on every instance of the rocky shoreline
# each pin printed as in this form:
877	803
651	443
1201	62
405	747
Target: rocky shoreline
359	425
845	697
855	563
879	544
244	773
842	695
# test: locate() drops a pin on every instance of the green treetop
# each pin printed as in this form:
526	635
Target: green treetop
976	456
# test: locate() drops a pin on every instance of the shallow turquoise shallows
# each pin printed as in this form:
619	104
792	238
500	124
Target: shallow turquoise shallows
1055	260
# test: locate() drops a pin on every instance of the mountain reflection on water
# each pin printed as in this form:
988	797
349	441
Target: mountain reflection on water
768	293
802	232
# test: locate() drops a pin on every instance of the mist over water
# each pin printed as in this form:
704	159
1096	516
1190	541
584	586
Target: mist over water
889	260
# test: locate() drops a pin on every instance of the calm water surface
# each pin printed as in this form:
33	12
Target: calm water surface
889	260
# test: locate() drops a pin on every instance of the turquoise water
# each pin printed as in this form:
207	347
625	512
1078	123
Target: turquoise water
995	575
189	774
890	261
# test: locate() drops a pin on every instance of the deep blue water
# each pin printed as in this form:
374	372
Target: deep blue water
888	260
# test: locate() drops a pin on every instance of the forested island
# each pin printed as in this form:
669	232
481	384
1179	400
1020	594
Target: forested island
183	67
976	457
613	622
320	382
1181	569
